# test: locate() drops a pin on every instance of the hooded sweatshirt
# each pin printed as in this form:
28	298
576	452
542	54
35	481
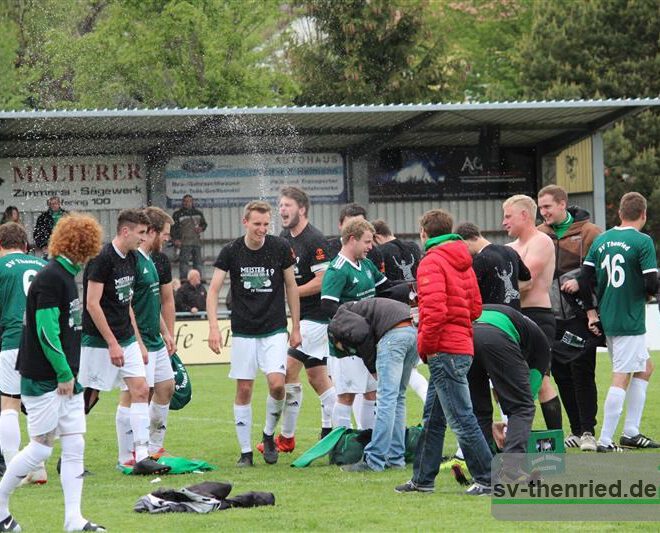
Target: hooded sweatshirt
449	298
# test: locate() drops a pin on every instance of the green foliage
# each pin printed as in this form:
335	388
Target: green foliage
375	51
129	53
603	49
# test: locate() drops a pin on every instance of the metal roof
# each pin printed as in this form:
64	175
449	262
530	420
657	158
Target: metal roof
358	129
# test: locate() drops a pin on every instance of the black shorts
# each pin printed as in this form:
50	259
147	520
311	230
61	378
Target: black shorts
544	318
306	360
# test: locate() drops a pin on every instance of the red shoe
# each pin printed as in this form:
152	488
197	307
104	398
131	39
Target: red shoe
285	444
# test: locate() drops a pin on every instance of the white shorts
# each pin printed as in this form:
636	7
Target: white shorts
159	368
249	354
350	375
10	379
314	339
52	411
98	372
628	353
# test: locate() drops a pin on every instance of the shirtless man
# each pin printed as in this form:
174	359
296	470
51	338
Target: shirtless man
538	253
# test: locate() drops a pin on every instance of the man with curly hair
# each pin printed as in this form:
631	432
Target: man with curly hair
48	360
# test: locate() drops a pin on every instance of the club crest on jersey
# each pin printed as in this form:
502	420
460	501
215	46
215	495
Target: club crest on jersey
319	254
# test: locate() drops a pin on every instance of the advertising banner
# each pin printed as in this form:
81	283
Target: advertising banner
227	180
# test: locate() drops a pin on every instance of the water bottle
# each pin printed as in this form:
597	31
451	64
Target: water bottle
414	304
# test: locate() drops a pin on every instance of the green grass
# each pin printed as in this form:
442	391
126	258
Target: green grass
320	497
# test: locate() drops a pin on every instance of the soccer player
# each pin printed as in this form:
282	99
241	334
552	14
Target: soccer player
348	213
351	277
623	262
110	351
538	253
48	362
572	233
156	338
312	259
17	269
260	267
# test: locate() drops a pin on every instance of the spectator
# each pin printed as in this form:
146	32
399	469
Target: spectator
189	223
191	297
46	222
11	214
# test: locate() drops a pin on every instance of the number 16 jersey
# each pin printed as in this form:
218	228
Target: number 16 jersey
621	257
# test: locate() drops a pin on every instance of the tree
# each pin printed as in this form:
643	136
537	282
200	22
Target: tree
361	51
603	49
145	53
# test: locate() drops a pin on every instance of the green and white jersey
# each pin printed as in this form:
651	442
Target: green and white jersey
146	302
621	257
17	270
345	281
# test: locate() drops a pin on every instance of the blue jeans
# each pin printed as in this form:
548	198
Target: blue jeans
448	401
397	355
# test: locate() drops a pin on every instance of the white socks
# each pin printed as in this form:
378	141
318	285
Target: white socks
27	460
293	401
341	415
357	409
10	434
418	384
139	416
157	426
124	434
327	399
611	413
273	412
368	414
243	424
635	398
71	477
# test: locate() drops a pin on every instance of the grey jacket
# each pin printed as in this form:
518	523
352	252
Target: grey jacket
360	325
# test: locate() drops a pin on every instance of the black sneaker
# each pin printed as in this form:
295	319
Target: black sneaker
246	459
149	467
270	450
608	448
409	486
9	524
324	433
477	489
91	526
638	441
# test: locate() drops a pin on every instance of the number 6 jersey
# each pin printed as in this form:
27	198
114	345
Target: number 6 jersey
621	256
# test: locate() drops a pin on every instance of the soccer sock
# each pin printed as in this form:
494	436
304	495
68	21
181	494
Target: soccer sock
273	412
10	434
552	413
459	454
124	434
327	399
341	416
23	463
243	423
157	426
635	399
71	478
368	414
418	384
357	409
139	415
292	403
611	413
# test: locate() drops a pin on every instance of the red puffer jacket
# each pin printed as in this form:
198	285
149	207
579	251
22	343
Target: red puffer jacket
449	298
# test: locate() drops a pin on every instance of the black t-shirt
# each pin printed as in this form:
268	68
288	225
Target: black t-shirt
401	259
52	287
533	343
163	267
374	254
498	269
117	274
257	285
312	255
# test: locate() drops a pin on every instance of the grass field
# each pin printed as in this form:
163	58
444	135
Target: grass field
320	497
